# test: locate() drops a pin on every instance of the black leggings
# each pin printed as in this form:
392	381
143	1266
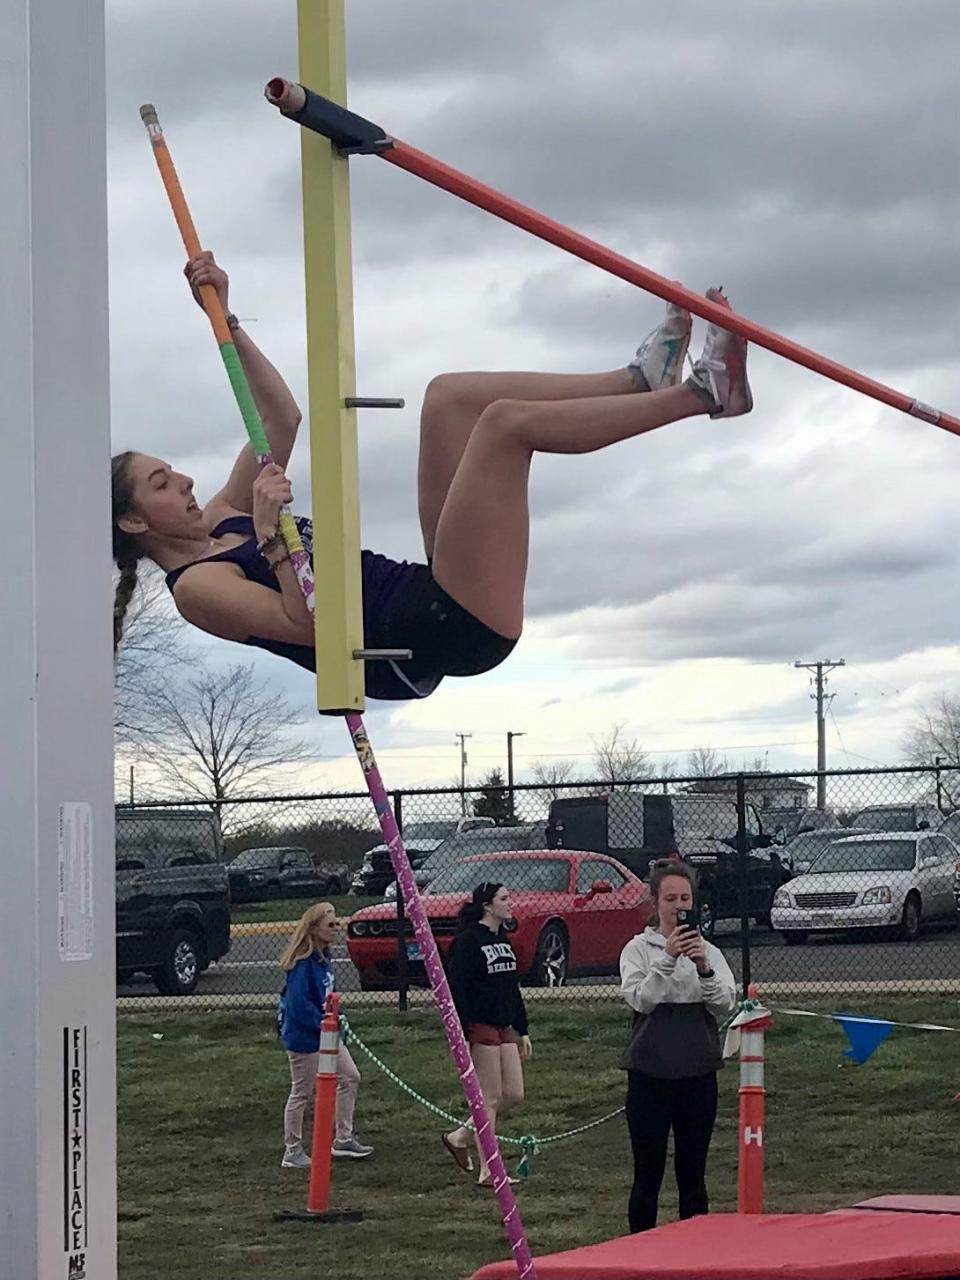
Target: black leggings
654	1106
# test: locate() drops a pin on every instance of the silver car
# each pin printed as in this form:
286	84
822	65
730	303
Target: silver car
893	882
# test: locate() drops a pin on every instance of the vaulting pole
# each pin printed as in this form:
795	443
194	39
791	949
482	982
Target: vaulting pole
388	826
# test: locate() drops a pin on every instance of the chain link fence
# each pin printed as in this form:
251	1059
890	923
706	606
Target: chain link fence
841	884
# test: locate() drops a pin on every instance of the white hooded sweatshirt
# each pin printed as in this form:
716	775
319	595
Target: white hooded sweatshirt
677	1011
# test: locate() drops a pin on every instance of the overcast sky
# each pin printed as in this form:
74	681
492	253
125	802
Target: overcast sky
804	155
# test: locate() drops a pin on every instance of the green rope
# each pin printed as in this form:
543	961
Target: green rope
530	1145
744	1006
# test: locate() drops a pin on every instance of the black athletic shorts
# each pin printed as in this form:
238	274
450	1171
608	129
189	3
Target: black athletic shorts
446	639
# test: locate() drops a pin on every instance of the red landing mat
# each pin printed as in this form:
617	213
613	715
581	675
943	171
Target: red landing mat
913	1204
846	1245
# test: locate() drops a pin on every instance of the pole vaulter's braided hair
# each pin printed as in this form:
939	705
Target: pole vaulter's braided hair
126	553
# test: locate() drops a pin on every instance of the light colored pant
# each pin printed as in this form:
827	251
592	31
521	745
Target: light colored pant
303	1074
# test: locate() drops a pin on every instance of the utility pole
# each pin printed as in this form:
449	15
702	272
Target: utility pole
463	772
819	681
511	734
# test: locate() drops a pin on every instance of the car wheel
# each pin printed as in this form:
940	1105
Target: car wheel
794	937
550	961
179	970
910	920
708	918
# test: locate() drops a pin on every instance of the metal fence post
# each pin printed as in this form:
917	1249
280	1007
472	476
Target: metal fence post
403	977
743	867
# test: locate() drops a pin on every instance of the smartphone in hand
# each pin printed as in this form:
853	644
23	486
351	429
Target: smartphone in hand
689	919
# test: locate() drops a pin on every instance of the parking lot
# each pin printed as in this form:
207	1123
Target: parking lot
251	968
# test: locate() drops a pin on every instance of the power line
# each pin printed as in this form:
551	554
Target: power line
568	755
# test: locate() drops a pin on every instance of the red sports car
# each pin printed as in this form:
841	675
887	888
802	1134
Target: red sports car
573	914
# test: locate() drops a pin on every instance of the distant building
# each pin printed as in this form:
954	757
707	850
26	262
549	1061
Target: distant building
777	792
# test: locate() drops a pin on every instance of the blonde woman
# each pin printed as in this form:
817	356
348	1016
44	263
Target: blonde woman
310	979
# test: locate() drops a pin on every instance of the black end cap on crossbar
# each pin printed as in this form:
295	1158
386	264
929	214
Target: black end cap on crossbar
349	133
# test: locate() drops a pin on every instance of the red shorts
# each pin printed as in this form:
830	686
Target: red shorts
486	1033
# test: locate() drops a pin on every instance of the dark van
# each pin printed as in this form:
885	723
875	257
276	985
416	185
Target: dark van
636	829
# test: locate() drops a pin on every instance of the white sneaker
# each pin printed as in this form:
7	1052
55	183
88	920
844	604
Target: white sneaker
719	377
351	1149
660	356
295	1159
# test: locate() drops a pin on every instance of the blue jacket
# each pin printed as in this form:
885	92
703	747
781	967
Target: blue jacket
300	1012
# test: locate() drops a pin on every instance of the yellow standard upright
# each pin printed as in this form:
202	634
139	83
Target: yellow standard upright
331	369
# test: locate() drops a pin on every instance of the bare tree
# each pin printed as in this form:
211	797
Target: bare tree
153	649
216	734
552	774
617	758
935	732
704	762
667	770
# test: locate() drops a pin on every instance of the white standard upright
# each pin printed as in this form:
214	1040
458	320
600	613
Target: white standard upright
57	927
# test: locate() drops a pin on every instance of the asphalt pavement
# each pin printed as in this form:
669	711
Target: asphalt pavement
829	962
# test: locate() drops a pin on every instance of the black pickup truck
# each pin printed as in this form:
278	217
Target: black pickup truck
173	896
257	875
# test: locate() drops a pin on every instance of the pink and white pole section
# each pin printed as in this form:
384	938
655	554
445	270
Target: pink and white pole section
751	1024
459	1050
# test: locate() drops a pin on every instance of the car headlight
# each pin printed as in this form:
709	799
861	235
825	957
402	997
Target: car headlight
358	928
375	927
880	894
782	898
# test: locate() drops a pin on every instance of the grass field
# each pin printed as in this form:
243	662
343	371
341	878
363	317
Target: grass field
293	908
200	1142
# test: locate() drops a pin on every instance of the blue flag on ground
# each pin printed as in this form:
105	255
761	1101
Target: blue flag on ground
864	1034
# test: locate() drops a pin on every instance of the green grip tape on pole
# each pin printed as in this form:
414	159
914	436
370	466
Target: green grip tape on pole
255	432
245	401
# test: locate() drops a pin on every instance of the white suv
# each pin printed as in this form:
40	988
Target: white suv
894	881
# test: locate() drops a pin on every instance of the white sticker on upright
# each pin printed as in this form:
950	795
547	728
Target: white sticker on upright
75	845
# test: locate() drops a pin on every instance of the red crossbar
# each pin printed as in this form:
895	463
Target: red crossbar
460	184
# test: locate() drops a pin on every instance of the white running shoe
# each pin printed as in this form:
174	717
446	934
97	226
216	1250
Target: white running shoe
295	1159
660	356
719	377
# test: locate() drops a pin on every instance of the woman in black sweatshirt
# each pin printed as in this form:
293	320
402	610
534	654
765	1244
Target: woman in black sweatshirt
482	968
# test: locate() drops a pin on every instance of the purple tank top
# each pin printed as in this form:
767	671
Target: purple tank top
383	581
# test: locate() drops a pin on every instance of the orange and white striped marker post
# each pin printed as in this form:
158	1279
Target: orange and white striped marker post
325	1103
751	1024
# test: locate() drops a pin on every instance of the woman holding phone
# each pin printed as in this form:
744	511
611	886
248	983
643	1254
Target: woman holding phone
679	987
